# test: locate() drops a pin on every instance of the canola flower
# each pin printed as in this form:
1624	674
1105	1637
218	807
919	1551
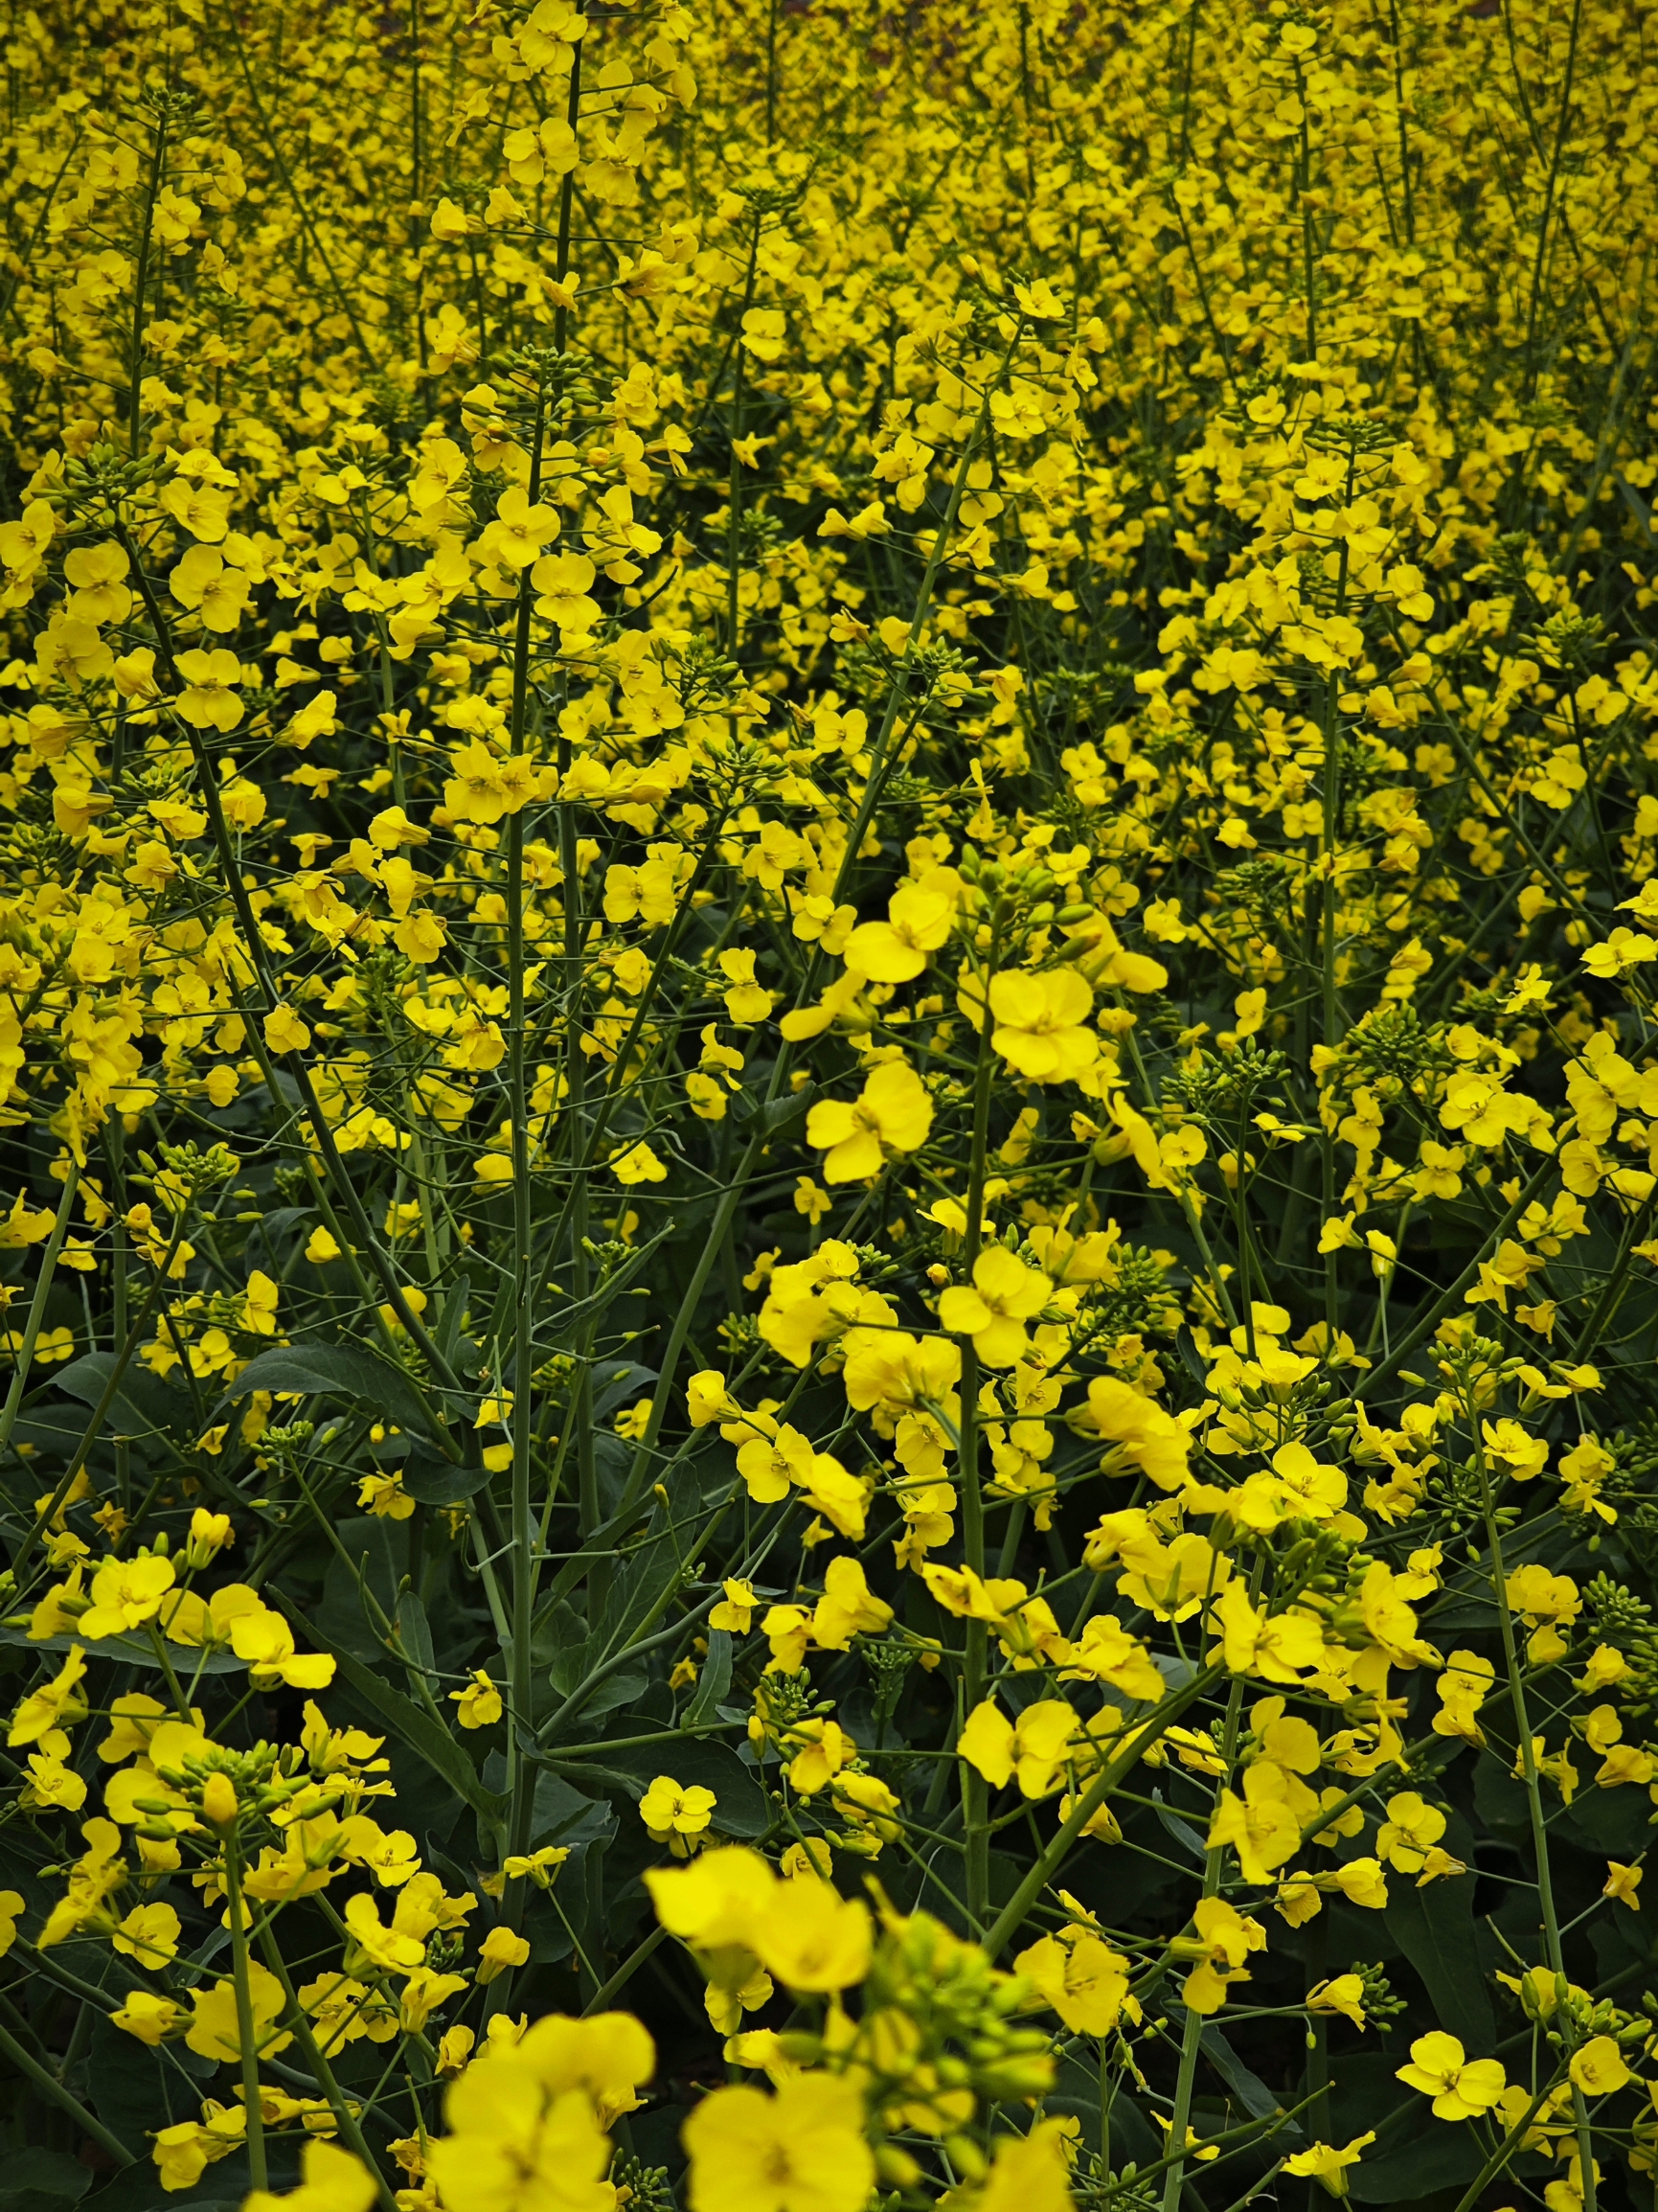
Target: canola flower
827	856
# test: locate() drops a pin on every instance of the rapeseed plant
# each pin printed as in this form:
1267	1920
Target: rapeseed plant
828	1105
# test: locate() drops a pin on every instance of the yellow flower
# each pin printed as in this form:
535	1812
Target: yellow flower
539	1865
1410	1831
1223	1939
1040	1023
1344	1994
708	1399
676	1817
150	1933
1328	2166
383	1495
125	1594
821	1748
771	1464
519	530
893	1115
1621	1883
1275	1646
848	1607
812	1938
1598	2068
479	1703
332	2180
500	1950
714	1901
747	1002
1081	1979
49	1783
637	1164
735	1612
1137	1428
56	1704
209	700
802	2150
266	1642
516	2146
1033	1748
285	1031
151	2018
184	2151
213	2032
1030	2172
1460	2087
1005	1295
919	919
379	1945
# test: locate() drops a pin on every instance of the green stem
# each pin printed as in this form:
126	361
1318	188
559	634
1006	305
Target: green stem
1553	1952
141	284
345	2119
1538	264
521	1779
37	1305
975	1794
625	1972
51	2087
106	1397
246	2032
1191	2037
1144	1735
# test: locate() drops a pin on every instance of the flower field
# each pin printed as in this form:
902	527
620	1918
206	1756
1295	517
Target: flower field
829	1106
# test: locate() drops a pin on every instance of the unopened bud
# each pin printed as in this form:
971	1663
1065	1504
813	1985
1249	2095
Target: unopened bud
218	1800
966	2157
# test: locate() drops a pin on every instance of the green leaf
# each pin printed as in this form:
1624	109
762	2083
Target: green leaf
1250	2091
1437	2162
741	1806
47	2173
424	1736
436	1481
131	1651
141	1406
713	1683
612	1384
348	1370
1435	1929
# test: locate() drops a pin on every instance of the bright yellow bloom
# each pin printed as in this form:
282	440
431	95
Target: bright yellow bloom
209	700
1005	1295
1040	1023
1324	2164
1598	2067
125	1594
213	2032
893	1115
802	2150
479	1703
1461	2087
335	2179
676	1817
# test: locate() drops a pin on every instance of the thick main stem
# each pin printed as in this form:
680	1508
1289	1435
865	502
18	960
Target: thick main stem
1553	1953
246	2027
974	1789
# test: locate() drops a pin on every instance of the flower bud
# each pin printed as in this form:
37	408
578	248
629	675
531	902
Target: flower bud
966	2157
210	1533
896	2168
218	1800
